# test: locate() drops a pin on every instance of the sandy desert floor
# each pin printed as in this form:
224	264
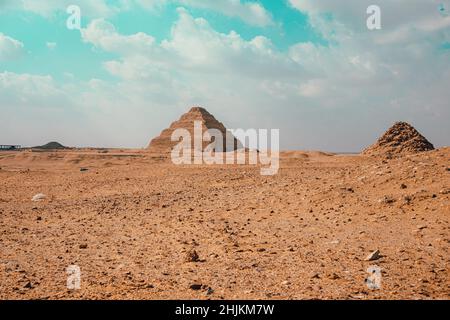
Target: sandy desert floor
131	219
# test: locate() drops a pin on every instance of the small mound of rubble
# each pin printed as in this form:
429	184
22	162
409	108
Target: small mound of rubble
401	138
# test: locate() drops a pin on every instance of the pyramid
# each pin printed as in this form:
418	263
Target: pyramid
401	138
51	146
163	143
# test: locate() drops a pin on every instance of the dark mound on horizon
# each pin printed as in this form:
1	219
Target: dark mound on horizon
400	139
51	146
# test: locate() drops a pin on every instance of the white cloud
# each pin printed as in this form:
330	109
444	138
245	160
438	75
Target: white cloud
398	72
194	46
251	12
349	78
320	96
25	89
103	34
10	48
349	18
146	4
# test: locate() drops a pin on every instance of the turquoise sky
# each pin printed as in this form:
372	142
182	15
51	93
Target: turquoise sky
73	56
310	68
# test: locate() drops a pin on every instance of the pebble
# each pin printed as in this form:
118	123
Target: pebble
334	276
38	197
195	286
192	256
386	200
28	285
373	256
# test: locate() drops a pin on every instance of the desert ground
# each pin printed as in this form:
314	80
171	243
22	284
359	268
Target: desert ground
140	227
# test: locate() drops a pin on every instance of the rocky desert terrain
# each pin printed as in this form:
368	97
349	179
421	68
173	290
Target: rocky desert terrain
139	227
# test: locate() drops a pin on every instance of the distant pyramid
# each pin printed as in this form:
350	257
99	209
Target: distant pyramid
163	143
401	138
51	146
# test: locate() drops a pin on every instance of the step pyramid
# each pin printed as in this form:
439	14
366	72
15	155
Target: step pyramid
163	143
401	138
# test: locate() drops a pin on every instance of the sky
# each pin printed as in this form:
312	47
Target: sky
310	68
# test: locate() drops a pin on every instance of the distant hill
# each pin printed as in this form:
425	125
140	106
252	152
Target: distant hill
51	146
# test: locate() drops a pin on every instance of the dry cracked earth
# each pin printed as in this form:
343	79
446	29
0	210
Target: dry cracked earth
141	228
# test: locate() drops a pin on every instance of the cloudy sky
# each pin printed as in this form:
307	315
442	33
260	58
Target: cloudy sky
310	68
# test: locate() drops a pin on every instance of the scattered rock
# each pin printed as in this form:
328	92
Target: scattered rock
83	246
334	276
387	200
334	242
373	256
195	286
407	199
403	186
39	197
28	285
192	256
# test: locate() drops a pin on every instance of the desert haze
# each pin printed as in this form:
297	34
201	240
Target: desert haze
140	227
